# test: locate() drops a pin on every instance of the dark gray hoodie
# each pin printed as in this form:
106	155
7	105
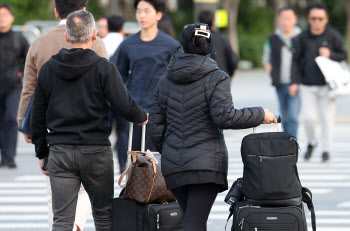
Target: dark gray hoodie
75	91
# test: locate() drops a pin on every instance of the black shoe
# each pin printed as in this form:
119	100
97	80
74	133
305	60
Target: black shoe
308	152
11	164
3	163
325	157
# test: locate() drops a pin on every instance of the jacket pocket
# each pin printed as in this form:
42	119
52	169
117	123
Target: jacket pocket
278	177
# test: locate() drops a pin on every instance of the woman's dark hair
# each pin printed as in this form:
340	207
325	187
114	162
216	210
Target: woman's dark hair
159	5
65	7
166	25
8	7
318	5
196	44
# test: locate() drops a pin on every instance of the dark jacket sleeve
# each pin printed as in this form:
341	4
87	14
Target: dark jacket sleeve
121	61
156	126
24	51
296	60
339	52
223	113
231	58
119	97
38	121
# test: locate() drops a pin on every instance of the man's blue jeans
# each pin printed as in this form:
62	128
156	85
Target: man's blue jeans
289	108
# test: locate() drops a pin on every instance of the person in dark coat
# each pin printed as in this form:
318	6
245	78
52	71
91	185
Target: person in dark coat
222	53
191	106
13	53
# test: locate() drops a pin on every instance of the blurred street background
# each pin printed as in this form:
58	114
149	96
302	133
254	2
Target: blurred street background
23	199
248	24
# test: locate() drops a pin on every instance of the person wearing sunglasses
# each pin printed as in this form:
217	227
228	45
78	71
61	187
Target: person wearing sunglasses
318	40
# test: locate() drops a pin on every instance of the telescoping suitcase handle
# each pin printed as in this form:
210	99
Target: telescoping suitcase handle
143	138
279	124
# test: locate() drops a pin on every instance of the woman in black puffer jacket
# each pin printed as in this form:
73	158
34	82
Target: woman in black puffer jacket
191	106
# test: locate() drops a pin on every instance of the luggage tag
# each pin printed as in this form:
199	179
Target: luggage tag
151	156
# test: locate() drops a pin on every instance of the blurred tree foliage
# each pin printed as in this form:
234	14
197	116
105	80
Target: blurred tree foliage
30	10
26	10
255	24
184	15
255	21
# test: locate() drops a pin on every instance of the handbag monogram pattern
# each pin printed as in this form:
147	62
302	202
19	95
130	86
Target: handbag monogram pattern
146	183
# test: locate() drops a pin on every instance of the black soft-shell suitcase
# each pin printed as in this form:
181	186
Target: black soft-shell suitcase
256	218
129	215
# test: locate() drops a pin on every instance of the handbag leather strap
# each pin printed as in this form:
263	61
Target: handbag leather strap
126	170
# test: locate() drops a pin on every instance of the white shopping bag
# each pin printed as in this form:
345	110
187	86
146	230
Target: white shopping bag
337	76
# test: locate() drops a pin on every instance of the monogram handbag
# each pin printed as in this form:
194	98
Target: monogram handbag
145	182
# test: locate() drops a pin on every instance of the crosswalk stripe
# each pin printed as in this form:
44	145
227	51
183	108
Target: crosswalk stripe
22	209
22	199
313	177
344	205
22	192
313	165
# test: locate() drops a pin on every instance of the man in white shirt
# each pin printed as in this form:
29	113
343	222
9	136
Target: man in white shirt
116	32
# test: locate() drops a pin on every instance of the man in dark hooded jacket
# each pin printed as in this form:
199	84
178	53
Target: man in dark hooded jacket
75	90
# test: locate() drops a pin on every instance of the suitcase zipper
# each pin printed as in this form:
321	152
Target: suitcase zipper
241	224
158	217
158	221
261	157
240	208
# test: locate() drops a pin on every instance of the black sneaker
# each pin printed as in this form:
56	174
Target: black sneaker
325	157
3	163
308	152
11	164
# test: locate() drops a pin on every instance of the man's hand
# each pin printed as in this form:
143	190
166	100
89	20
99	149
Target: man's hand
268	68
144	123
293	89
325	52
41	165
269	117
27	139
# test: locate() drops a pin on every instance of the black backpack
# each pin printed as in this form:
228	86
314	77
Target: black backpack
270	176
270	171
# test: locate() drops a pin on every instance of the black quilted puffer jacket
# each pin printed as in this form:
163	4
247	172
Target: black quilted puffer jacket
191	106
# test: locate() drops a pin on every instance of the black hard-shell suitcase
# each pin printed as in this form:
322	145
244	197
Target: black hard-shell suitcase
129	215
255	218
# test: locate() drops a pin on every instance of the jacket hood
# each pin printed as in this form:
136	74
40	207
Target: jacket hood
296	32
188	68
74	63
